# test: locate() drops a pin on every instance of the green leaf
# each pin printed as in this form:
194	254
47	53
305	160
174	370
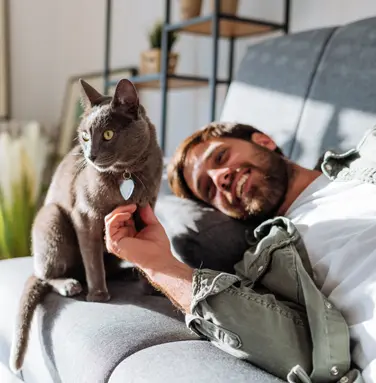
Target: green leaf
155	37
16	222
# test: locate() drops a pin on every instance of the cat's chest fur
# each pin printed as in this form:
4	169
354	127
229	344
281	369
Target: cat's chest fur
100	193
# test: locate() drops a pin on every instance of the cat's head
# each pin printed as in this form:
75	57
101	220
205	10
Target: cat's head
114	131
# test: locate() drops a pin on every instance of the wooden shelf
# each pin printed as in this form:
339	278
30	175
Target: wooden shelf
153	81
172	83
229	26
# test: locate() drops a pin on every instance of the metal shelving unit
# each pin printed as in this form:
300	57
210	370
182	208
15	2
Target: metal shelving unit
217	25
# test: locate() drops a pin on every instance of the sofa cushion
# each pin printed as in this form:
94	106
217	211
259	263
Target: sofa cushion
185	362
13	274
272	82
77	341
341	102
201	236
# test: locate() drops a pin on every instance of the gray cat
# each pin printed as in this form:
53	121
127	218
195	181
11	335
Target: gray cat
117	141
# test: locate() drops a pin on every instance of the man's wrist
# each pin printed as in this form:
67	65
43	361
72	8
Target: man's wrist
174	279
172	268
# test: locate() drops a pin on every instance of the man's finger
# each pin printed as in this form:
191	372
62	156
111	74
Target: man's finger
117	221
112	241
148	216
121	209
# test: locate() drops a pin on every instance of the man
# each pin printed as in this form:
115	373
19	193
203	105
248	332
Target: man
310	267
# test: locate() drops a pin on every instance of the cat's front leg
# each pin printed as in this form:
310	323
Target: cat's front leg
92	255
91	246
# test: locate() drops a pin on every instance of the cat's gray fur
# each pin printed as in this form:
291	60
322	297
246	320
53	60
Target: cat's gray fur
68	231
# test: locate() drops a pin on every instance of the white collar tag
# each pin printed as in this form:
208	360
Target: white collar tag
126	186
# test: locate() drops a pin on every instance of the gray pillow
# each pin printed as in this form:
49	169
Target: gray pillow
201	236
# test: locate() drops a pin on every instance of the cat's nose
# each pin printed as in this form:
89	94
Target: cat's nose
92	157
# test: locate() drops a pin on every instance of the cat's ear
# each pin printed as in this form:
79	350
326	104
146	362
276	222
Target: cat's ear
89	95
125	95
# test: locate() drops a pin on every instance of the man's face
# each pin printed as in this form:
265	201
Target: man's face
241	179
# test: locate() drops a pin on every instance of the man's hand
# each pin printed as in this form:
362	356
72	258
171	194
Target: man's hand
150	251
143	249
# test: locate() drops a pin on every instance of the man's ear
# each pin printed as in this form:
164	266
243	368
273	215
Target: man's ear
263	140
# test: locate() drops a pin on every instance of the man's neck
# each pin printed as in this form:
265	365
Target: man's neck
299	179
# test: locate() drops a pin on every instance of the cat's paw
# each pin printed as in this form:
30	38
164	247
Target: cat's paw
66	287
98	296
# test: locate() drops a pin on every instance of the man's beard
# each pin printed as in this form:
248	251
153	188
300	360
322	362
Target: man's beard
265	198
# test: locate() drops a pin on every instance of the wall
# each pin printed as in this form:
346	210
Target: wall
53	40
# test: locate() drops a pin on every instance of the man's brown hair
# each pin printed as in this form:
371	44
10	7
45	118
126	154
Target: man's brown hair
175	169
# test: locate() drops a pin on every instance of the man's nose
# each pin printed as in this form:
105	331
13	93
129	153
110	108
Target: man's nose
221	178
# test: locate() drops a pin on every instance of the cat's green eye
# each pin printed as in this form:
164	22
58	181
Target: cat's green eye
85	136
108	134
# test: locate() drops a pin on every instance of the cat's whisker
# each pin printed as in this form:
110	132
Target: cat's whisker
141	181
81	165
107	158
122	163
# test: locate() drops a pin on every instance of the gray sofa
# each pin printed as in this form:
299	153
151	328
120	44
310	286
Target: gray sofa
310	91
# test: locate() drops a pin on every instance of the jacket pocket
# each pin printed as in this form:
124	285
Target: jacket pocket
214	332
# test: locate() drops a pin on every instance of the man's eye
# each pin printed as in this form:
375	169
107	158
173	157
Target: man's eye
220	157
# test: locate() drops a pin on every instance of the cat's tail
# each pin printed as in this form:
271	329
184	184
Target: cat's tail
34	291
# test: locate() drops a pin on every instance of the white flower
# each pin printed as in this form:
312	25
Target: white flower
36	150
5	168
22	163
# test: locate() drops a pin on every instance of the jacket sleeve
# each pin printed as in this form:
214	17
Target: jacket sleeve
270	312
257	327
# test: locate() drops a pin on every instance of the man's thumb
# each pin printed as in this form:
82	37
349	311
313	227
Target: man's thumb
148	216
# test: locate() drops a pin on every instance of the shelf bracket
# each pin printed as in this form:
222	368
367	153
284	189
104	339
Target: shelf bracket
214	72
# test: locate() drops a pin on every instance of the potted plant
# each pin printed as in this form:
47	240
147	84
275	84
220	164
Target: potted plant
151	59
23	158
190	9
